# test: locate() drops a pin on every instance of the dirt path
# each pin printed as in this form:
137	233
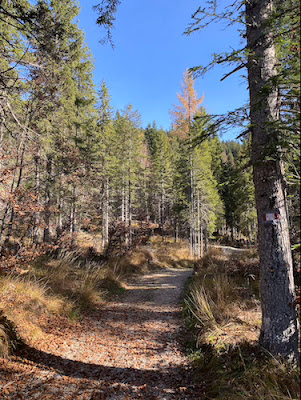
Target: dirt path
230	251
126	350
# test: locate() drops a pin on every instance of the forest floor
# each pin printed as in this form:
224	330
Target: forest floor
128	348
122	331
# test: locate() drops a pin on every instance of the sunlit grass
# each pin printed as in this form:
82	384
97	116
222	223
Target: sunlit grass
73	281
222	309
168	253
23	302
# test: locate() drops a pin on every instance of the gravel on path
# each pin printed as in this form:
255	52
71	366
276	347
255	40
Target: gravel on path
125	349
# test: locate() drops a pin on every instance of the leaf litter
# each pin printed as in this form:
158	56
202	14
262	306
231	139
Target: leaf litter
129	348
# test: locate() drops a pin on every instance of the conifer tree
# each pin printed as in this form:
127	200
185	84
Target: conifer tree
106	147
187	127
162	173
130	160
261	21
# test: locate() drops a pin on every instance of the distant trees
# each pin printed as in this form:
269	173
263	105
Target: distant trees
236	189
70	162
46	111
201	188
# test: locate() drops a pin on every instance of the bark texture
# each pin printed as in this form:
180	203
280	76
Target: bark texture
279	332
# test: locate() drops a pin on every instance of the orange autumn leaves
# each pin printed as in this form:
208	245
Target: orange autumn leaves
182	115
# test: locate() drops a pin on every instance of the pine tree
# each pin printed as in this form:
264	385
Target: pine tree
105	127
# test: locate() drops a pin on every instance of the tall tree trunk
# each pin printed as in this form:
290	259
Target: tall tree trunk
198	225
20	154
35	229
176	230
60	206
105	208
279	331
191	216
130	191
47	212
206	239
73	222
12	215
202	241
1	139
130	210
123	201
162	209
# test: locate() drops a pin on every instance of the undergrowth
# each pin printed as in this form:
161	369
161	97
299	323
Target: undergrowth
223	316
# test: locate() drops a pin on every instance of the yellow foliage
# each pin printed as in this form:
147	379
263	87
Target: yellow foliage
189	106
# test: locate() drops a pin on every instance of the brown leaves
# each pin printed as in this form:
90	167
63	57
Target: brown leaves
123	350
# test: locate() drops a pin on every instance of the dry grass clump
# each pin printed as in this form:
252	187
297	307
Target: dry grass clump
23	303
85	285
4	342
51	287
223	311
245	372
9	338
270	380
144	259
168	253
87	241
139	261
223	299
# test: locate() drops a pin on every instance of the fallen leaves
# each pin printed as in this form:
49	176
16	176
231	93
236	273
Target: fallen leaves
124	350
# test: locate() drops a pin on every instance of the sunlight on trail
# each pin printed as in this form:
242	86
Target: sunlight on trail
126	349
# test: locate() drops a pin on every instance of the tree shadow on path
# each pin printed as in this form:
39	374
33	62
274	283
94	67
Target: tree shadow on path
166	383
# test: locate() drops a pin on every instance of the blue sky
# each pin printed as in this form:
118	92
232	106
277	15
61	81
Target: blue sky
151	54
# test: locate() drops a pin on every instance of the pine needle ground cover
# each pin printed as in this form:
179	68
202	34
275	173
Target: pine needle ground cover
223	314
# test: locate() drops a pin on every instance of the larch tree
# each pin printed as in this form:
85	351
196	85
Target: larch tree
189	105
182	119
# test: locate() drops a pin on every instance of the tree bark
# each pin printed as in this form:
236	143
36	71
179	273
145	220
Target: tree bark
162	205
47	213
279	331
12	215
73	222
35	234
123	201
105	210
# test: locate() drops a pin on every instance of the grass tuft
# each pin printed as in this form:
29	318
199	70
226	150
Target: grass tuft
223	313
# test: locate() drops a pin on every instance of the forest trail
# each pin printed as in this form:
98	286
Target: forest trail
127	349
231	251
